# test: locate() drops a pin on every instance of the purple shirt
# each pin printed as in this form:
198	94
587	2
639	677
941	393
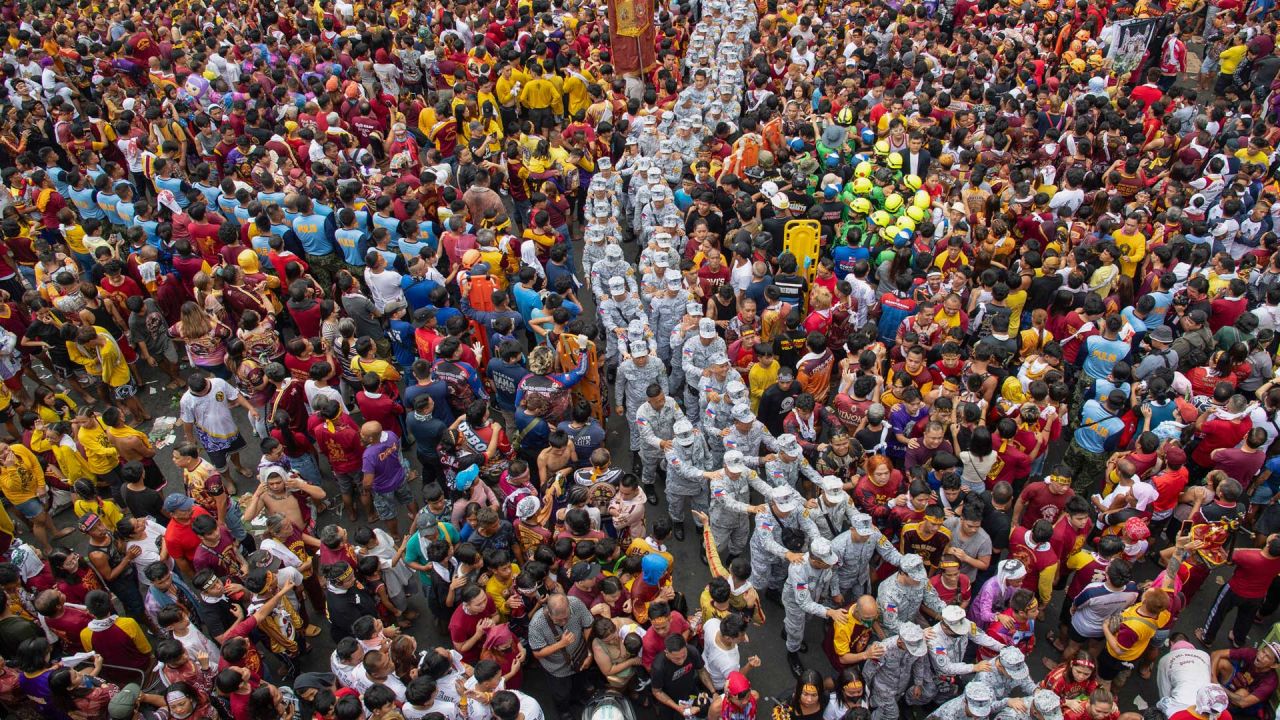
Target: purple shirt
382	460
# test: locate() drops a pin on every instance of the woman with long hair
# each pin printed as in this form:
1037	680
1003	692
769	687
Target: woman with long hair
205	339
977	461
80	693
1074	679
808	701
849	694
251	380
73	575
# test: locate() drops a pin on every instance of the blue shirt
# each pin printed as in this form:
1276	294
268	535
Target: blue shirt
417	292
403	347
312	235
527	299
86	204
351	243
1101	355
439	393
1099	430
585	439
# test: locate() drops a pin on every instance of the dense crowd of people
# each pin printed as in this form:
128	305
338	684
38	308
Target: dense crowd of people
919	320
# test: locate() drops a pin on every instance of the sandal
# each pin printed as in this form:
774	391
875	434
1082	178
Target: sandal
1052	637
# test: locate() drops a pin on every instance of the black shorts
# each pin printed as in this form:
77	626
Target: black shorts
1109	667
1077	637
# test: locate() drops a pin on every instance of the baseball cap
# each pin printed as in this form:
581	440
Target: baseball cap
783	498
862	524
694	309
584	571
1014	662
833	489
177	502
788	445
913	566
639	349
683	430
124	702
264	559
1047	704
718	359
617	285
913	637
820	548
954	617
707	329
742	413
735	462
978	698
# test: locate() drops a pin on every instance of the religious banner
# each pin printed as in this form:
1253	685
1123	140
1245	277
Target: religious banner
1129	43
631	35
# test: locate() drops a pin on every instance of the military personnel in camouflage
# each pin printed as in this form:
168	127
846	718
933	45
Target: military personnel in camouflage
976	703
789	465
683	331
1042	705
901	673
688	460
695	361
636	373
666	309
616	313
593	252
769	555
855	547
748	435
809	583
947	647
832	511
1009	675
613	265
902	594
731	507
655	420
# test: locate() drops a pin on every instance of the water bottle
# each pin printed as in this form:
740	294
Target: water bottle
891	613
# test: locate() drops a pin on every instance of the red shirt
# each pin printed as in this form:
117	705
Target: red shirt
252	660
1219	433
181	539
68	626
711	279
341	445
462	626
960	595
1038	502
382	409
654	643
1066	539
1169	485
1254	573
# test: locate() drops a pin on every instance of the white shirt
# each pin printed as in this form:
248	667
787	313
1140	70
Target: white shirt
348	675
719	662
384	287
1182	672
740	277
314	391
211	412
195	642
447	709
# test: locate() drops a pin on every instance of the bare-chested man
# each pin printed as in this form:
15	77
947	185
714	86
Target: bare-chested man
285	494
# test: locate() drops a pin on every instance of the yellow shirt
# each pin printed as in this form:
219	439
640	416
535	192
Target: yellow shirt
1229	60
24	479
575	87
381	368
505	89
99	452
70	462
539	94
74	235
50	415
106	510
760	379
1016	301
1133	248
1256	158
497	590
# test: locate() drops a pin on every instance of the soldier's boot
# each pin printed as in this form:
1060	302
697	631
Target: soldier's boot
804	646
797	667
774	595
677	529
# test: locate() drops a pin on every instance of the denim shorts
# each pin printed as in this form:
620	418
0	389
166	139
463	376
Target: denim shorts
31	509
388	504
